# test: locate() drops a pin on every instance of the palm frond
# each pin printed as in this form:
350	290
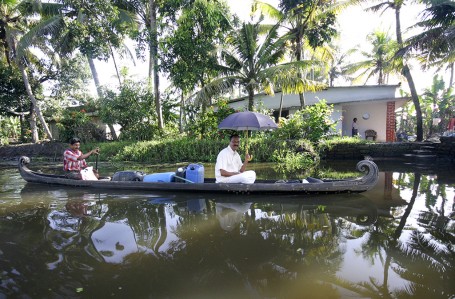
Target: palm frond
48	26
287	76
381	6
272	49
231	60
127	17
125	51
265	28
352	68
214	88
267	10
245	42
341	5
46	9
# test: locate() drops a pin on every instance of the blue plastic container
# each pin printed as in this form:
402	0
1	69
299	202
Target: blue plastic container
195	173
162	177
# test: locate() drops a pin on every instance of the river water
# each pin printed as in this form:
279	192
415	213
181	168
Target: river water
394	241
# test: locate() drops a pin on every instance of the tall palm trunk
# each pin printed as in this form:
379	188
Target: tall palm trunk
299	56
153	70
33	126
36	108
182	112
28	88
116	67
250	89
407	74
95	77
452	67
98	91
281	105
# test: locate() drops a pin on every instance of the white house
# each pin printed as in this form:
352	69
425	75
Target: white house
374	107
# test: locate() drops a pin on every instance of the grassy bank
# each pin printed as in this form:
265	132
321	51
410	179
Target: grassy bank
205	150
288	154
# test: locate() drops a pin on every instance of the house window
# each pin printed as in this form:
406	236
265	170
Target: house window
284	113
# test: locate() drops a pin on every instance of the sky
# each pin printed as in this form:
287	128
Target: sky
354	26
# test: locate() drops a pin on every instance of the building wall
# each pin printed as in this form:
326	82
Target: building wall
348	101
377	112
333	95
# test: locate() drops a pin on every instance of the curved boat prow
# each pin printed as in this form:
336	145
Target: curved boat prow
23	160
371	171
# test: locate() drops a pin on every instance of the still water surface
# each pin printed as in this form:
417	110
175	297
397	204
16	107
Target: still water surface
395	241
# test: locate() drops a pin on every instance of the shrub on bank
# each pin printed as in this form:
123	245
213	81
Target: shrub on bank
291	154
328	144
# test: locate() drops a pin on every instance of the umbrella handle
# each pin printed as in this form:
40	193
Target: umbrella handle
246	147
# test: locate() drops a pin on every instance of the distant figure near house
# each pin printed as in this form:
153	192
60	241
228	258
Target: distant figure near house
355	127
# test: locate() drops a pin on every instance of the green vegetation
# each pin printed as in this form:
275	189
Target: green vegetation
208	55
328	144
289	154
312	123
9	128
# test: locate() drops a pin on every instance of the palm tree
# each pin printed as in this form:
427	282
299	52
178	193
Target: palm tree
256	66
379	62
11	27
436	44
396	6
61	24
336	62
309	21
147	14
438	102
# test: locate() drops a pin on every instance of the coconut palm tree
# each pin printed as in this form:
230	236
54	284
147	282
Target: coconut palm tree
11	27
147	17
379	62
61	22
310	24
336	62
256	66
435	45
396	6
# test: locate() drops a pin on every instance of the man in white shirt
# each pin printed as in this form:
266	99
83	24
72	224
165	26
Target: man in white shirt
229	167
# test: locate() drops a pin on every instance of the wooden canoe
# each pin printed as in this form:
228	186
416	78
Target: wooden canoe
357	185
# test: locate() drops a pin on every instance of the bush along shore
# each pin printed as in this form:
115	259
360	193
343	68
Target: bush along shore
289	154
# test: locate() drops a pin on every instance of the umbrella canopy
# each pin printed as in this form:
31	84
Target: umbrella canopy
247	120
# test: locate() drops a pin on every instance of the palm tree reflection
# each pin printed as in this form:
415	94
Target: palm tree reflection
423	258
271	248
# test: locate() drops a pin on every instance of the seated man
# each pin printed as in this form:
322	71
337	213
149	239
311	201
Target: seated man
229	167
74	160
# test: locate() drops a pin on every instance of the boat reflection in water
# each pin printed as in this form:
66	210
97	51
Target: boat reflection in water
115	225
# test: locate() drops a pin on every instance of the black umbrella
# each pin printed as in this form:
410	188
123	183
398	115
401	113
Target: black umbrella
247	120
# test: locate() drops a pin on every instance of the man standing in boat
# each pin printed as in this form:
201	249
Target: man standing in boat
74	160
229	167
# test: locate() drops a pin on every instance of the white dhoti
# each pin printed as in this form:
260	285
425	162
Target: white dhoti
246	177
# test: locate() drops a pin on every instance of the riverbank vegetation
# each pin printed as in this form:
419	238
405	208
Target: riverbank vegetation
292	146
209	57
